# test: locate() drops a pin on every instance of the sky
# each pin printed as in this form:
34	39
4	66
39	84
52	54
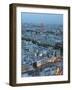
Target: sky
41	18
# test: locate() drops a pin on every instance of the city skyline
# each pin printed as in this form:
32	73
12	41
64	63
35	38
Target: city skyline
38	18
42	44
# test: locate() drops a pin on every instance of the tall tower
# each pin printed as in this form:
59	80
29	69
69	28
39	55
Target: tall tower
42	24
42	27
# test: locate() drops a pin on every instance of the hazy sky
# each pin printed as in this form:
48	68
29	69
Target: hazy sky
41	18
